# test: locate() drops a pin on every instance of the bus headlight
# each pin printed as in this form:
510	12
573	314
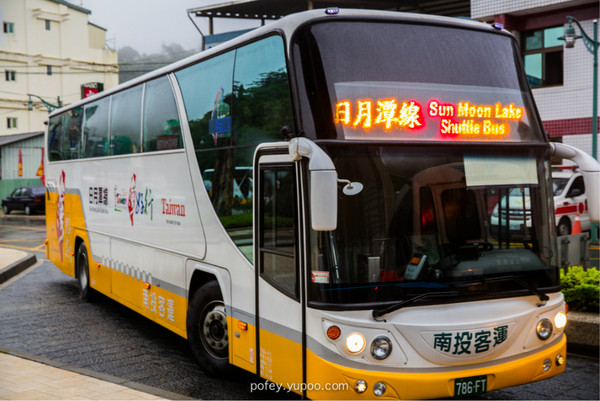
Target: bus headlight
544	329
355	343
381	347
560	320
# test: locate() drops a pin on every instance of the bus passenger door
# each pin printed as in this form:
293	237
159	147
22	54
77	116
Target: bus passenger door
278	278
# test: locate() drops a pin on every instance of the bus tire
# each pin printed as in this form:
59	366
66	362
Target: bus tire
207	329
86	293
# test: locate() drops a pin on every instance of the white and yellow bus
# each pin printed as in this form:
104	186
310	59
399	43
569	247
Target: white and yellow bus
359	262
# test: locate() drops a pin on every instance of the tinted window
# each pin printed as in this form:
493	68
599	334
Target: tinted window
55	137
278	233
228	116
262	104
95	128
206	89
125	122
161	122
64	135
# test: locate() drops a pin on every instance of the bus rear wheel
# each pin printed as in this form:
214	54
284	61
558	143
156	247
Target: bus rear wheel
207	329
86	293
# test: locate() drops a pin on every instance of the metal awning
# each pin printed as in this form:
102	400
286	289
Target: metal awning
275	9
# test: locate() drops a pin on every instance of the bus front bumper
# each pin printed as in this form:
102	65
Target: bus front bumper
325	380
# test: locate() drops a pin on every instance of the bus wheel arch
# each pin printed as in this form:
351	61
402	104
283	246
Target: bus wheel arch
207	329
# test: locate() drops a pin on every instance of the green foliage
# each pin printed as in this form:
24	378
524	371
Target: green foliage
237	221
581	288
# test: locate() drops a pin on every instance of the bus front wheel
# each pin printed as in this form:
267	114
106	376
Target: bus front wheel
207	329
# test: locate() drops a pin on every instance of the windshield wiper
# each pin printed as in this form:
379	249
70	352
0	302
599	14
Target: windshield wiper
377	313
535	291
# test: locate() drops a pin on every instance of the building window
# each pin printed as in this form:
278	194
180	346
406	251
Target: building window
10	75
543	56
9	27
11	122
49	70
48	25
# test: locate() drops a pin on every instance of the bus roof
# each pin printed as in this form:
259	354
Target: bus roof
288	25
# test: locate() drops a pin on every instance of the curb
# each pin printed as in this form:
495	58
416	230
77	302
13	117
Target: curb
583	333
17	267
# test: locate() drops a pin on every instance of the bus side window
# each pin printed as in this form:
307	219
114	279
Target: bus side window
126	115
95	128
72	134
64	135
55	137
161	122
262	107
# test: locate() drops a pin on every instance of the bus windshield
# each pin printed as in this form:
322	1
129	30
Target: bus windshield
433	217
427	224
429	83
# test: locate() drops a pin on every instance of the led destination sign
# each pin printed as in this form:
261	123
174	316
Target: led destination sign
392	118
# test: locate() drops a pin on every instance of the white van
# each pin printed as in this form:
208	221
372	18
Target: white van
570	199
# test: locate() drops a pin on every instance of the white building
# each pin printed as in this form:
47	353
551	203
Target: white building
48	49
561	78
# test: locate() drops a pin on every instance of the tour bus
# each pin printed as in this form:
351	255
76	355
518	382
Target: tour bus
364	265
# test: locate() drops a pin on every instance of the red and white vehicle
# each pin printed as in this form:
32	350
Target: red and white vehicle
570	199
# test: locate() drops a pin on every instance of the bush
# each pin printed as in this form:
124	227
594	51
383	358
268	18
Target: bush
581	288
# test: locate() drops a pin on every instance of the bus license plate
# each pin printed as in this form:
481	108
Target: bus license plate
469	386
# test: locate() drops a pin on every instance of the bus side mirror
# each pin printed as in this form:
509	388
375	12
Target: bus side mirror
323	183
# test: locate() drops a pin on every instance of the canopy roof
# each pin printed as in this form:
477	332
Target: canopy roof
275	9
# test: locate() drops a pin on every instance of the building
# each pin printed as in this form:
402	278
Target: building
49	54
20	161
561	78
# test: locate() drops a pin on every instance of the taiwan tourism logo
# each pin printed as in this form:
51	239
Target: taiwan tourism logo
134	202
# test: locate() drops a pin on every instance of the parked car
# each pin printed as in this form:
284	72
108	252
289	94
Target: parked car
28	199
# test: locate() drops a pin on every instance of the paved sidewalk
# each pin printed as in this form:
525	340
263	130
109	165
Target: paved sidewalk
28	377
13	262
22	379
